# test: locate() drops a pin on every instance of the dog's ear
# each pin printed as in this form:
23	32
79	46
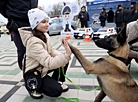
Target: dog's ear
121	36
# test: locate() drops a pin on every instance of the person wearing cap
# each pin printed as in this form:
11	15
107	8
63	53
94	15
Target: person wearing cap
133	14
110	16
39	50
103	17
84	17
125	15
119	18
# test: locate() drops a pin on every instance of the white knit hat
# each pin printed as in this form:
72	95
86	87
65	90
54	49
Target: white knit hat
36	16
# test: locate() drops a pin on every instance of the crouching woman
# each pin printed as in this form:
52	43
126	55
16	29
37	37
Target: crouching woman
39	50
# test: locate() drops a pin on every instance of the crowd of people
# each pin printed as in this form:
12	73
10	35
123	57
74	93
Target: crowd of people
120	16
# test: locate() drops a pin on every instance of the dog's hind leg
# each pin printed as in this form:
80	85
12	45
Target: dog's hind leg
84	62
100	96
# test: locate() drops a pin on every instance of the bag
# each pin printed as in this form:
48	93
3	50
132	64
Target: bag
12	26
32	78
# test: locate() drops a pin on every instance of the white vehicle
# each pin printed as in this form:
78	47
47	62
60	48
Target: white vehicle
80	32
102	32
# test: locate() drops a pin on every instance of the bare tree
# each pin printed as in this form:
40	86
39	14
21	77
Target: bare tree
57	8
82	3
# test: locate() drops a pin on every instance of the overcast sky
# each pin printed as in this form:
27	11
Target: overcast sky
45	4
51	2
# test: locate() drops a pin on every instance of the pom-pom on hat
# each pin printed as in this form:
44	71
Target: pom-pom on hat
133	3
36	16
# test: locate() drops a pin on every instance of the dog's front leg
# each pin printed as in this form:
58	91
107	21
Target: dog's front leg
84	62
100	96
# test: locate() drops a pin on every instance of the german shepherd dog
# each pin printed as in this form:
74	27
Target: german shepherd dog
112	73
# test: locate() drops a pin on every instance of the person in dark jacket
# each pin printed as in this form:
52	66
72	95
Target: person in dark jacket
110	16
84	17
125	14
119	18
133	12
16	11
103	17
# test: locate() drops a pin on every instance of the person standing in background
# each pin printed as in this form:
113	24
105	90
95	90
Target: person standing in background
125	15
133	12
110	16
119	18
103	17
16	12
84	17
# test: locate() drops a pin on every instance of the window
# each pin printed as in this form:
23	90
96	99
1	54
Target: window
60	19
81	29
102	30
55	21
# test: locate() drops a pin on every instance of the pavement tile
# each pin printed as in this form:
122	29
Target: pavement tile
2	94
72	93
12	87
84	81
6	88
21	91
89	96
16	98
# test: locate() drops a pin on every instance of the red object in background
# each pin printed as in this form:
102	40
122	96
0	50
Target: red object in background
67	36
57	16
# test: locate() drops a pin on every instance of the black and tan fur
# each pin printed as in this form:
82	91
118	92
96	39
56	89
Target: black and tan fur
113	75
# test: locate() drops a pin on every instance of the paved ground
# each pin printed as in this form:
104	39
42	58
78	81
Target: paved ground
11	81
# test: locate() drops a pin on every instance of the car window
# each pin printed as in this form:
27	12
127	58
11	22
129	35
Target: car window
102	30
60	19
55	21
81	29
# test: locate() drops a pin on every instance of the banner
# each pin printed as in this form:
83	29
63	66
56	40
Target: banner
94	7
106	1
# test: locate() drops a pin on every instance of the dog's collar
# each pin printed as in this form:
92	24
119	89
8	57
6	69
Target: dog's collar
119	58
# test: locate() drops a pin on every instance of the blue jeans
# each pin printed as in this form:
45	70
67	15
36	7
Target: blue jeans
21	50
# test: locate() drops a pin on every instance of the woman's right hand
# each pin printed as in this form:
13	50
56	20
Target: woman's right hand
65	45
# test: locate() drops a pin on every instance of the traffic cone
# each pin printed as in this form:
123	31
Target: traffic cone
111	31
67	36
87	36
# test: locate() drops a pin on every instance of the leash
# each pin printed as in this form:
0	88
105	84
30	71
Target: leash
73	99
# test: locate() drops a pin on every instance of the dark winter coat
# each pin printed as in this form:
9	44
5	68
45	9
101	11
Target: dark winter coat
86	16
132	16
110	16
17	9
102	18
118	16
125	14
